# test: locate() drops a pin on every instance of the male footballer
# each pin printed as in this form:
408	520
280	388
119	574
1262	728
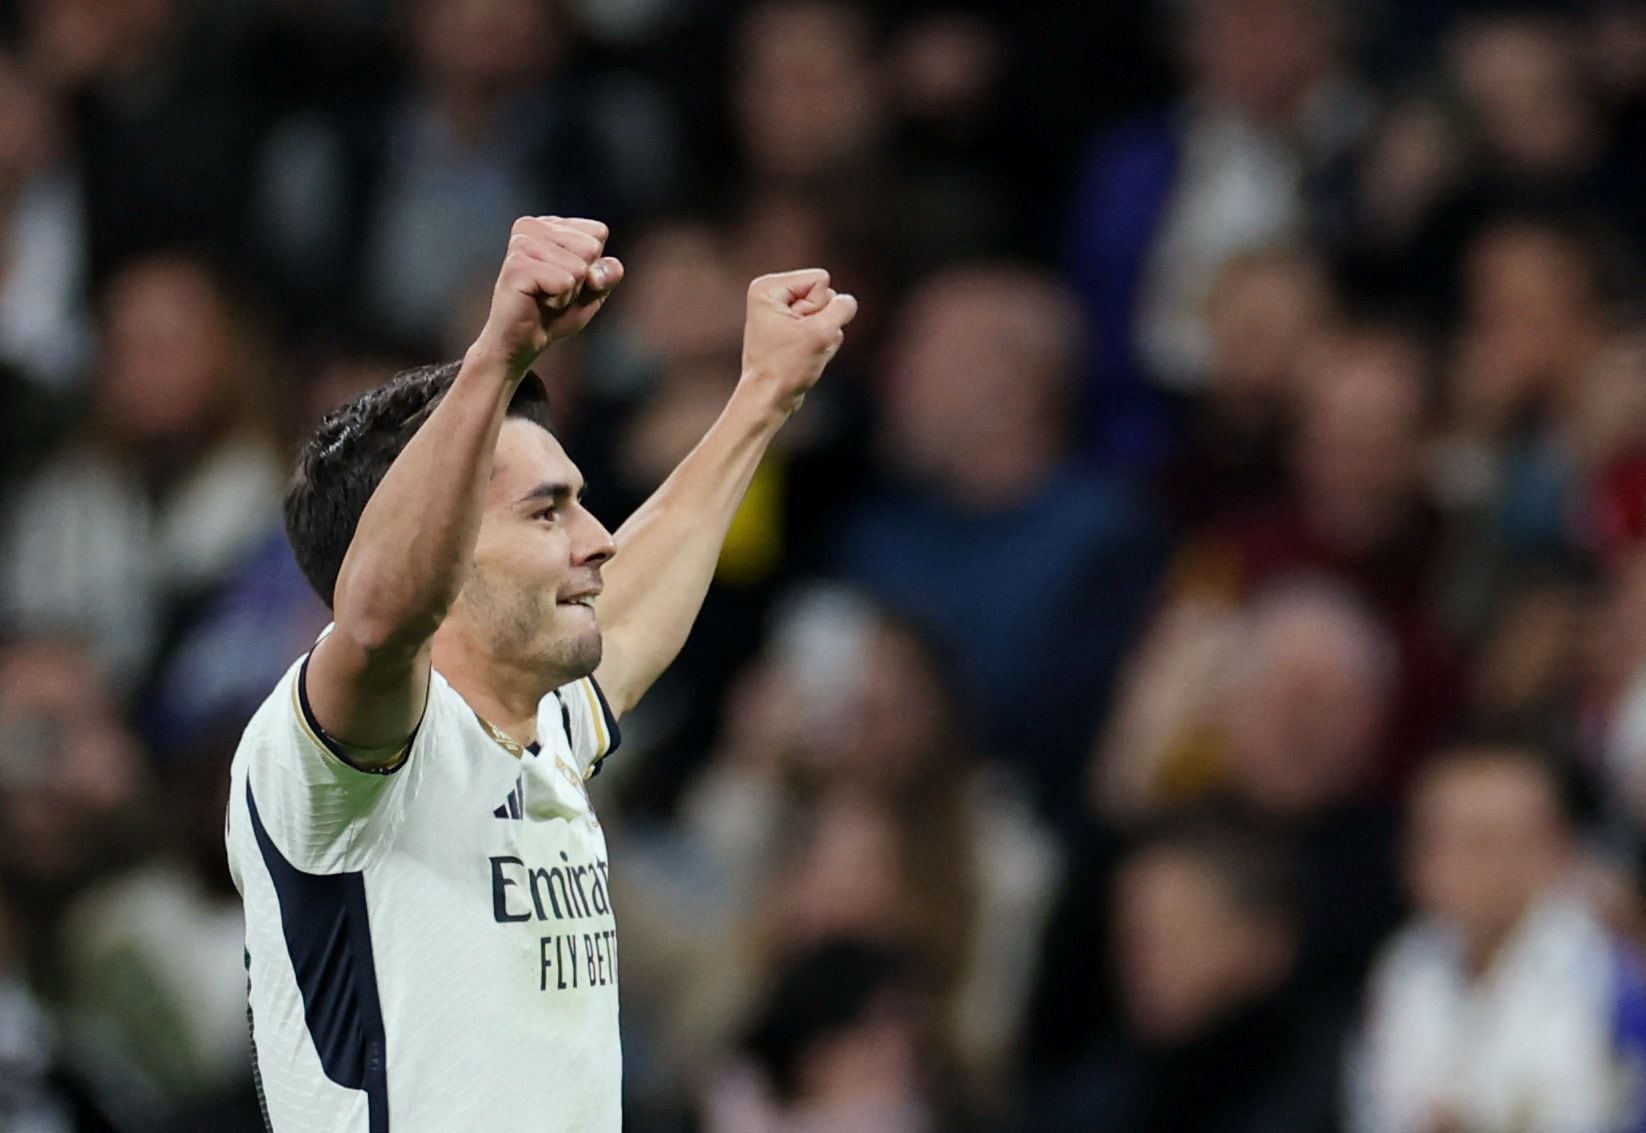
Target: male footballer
429	931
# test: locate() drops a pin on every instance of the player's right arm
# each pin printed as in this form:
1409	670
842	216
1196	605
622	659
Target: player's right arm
368	679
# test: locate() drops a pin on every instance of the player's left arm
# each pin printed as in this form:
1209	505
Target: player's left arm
667	550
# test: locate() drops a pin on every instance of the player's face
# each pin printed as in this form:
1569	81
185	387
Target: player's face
537	560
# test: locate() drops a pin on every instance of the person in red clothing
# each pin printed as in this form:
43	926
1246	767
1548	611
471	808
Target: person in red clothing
1356	511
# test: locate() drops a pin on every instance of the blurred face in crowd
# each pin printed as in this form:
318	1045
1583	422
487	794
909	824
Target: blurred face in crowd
67	763
1615	650
807	93
848	696
77	41
978	374
948	68
783	226
1533	317
1523	79
845	878
1487	839
898	723
1608	417
875	1061
167	351
1260	57
1188	953
1359	454
1618	635
1303	711
29	131
1533	654
685	300
484	46
1263	310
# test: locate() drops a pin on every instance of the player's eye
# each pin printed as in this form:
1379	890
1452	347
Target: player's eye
549	513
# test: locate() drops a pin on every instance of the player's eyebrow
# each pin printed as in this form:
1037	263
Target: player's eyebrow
552	491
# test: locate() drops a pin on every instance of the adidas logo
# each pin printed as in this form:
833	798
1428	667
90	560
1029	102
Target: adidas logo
514	805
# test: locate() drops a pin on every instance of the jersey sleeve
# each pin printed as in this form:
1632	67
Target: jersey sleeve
590	725
324	814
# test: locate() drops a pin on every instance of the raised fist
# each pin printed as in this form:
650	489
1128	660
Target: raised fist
795	323
554	278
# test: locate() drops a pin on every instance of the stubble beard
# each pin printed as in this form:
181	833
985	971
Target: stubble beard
524	632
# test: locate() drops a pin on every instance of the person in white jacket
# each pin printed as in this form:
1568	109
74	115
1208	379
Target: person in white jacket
1506	1004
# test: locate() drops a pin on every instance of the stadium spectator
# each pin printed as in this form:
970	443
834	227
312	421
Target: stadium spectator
1533	674
1214	1036
44	326
1265	309
838	1045
1239	162
1619	656
164	129
1506	1003
826	175
1357	510
1536	322
1030	568
378	214
1279	713
172	480
153	954
72	782
847	799
1547	425
44	1088
1514	122
1534	109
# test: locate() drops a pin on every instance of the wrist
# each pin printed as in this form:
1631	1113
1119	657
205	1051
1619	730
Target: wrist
487	355
762	394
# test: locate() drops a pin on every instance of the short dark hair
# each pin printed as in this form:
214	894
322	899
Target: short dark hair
1254	864
824	991
341	465
1574	798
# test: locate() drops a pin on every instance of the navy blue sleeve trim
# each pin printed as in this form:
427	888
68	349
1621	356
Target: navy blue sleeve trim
333	746
612	729
327	927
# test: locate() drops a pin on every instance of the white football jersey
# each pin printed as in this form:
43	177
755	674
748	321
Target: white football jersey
431	948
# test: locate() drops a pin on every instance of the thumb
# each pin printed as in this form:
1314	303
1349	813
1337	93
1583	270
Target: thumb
842	308
604	276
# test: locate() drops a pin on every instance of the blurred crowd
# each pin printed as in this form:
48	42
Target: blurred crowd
1184	670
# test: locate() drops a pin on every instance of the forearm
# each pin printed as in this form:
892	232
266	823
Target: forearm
667	550
410	552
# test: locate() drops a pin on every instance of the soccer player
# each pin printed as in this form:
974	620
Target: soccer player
429	930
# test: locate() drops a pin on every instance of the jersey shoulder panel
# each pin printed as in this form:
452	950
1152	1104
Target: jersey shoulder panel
325	814
591	727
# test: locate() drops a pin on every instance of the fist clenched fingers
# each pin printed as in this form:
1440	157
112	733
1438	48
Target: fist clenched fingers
588	227
800	292
551	273
554	278
794	328
559	226
541	234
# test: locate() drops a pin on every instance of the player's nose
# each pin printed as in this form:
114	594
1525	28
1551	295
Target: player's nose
594	544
